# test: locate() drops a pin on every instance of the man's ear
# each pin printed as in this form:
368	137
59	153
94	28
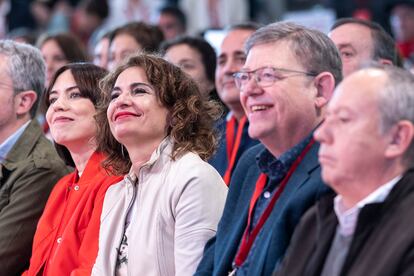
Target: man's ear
325	85
24	101
401	136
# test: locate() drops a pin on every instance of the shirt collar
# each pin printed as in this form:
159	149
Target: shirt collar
165	147
347	218
276	168
8	144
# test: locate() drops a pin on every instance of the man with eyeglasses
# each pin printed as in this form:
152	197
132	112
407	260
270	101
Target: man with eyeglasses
29	164
287	79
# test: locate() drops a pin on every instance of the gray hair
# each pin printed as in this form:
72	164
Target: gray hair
396	101
313	49
25	67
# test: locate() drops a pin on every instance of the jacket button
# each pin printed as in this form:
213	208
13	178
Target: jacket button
76	188
59	240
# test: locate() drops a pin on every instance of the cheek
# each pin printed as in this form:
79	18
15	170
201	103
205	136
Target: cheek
49	114
243	100
109	112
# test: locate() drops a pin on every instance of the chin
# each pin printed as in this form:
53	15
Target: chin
124	135
62	142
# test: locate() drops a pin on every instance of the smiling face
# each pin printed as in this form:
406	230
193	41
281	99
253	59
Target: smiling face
189	60
355	45
284	110
230	60
70	116
54	58
353	149
135	114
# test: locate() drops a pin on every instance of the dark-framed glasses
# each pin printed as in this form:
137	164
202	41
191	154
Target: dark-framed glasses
266	76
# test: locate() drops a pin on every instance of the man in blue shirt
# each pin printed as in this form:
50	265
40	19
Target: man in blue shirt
287	79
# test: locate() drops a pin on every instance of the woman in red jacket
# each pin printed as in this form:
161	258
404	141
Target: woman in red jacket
66	239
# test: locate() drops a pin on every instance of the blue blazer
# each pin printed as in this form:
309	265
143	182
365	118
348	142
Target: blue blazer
304	188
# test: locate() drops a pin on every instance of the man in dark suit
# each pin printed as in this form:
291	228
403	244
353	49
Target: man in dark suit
29	164
366	155
287	79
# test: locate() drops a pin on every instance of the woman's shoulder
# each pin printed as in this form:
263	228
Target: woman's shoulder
190	168
192	162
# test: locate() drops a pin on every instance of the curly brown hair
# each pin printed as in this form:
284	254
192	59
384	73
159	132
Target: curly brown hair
190	123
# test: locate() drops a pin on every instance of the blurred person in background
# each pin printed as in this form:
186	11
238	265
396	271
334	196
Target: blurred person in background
206	14
88	19
30	166
101	50
125	11
196	57
361	42
402	25
172	21
23	35
133	37
234	138
66	239
157	128
53	16
60	49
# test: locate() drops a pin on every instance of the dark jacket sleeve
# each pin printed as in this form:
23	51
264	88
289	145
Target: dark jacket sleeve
206	265
23	206
407	267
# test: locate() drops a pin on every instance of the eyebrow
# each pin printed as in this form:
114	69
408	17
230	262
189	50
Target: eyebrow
345	45
185	60
239	53
340	109
132	86
137	84
222	55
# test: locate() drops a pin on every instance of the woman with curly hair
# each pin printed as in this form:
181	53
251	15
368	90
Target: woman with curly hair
157	128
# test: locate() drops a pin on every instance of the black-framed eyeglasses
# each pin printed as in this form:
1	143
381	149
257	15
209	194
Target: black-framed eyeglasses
266	76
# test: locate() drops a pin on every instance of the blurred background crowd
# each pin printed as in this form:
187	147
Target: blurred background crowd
87	20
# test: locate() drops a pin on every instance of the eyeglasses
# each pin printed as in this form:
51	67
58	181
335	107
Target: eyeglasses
265	76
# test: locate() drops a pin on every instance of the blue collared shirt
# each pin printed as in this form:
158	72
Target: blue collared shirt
7	145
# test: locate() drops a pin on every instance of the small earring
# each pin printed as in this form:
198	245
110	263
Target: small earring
122	151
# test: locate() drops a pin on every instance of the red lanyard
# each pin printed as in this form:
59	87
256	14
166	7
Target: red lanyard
249	237
233	144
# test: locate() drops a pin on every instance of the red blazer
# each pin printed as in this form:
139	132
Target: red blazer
66	238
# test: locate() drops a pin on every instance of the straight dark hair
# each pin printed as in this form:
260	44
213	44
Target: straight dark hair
87	77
